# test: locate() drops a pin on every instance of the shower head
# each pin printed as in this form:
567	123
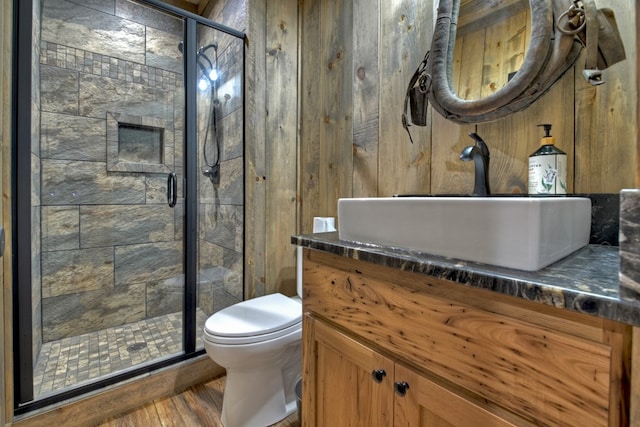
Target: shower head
201	50
207	67
207	47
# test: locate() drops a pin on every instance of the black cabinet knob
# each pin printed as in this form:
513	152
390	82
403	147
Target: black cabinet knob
378	375
401	388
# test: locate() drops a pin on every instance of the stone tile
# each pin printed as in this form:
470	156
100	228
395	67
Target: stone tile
156	189
231	135
69	272
58	90
36	186
233	277
82	27
205	297
35	118
99	95
222	269
630	244
178	215
111	225
210	256
67	182
148	262
231	188
162	49
230	84
60	228
231	191
222	225
68	137
151	17
107	6
223	299
79	313
165	296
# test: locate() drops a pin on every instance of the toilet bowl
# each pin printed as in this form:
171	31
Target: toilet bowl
258	342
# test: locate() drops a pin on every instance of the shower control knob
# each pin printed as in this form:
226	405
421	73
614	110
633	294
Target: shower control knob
378	375
401	388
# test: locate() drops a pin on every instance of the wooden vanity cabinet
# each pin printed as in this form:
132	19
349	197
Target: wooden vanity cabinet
383	347
353	385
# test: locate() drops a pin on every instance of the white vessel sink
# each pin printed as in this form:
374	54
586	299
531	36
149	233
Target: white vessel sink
526	233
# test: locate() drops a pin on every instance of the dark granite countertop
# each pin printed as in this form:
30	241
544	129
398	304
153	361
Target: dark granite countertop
586	281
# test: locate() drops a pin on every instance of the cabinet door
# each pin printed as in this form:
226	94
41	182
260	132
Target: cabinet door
345	383
427	404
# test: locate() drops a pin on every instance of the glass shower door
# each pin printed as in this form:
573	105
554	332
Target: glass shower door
220	162
108	252
129	183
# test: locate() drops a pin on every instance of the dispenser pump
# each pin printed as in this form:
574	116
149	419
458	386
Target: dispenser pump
548	167
547	139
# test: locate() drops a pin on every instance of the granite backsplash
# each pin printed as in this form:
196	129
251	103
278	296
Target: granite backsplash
630	244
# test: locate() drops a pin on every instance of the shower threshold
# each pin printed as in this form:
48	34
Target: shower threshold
69	361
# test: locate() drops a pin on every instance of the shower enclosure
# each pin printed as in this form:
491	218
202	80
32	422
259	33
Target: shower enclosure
129	159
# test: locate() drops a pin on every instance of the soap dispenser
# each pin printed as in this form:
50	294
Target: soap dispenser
548	167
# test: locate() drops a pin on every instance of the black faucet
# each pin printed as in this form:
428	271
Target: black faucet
479	153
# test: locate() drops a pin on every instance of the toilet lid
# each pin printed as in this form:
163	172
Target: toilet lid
256	316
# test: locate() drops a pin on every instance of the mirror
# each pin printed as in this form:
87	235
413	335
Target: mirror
492	39
543	40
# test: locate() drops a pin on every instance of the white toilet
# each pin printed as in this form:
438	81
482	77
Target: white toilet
259	343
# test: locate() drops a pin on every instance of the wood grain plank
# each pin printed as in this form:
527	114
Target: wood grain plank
199	405
405	37
199	401
634	398
281	145
336	97
174	411
124	397
637	81
145	415
310	377
346	365
429	404
537	373
366	89
618	337
606	145
255	152
310	122
484	13
470	49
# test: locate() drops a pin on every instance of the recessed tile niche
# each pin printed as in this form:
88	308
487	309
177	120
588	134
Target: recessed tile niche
138	144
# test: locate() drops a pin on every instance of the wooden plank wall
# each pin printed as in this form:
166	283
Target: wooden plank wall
271	133
592	133
405	36
281	142
605	132
355	59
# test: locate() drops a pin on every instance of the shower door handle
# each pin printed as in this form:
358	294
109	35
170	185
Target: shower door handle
172	189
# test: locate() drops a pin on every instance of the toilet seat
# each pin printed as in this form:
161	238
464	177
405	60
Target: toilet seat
255	320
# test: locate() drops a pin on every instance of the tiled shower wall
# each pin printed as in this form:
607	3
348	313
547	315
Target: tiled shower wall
221	208
111	247
36	276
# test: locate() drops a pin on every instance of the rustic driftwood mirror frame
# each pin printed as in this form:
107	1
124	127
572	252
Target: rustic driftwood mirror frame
550	54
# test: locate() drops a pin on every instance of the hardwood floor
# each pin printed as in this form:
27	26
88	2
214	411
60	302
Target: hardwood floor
199	405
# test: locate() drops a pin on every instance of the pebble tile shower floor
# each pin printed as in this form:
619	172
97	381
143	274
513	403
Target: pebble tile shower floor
69	361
